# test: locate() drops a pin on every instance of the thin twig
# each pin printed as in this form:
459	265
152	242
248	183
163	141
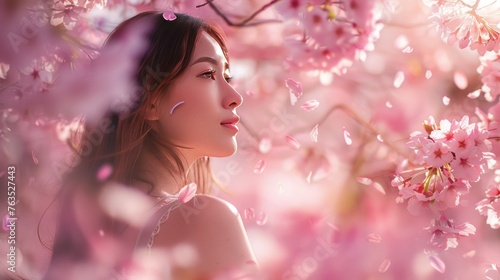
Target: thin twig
246	22
405	25
355	117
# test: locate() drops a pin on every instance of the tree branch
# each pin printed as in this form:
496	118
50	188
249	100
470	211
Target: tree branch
246	22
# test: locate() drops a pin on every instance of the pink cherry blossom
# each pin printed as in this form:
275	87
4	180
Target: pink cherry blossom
420	203
490	207
68	12
467	167
436	154
353	27
452	192
470	23
445	233
490	75
292	8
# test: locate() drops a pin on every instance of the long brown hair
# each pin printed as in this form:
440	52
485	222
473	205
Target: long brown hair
171	45
120	137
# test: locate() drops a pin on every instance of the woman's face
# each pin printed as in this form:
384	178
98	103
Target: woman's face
199	110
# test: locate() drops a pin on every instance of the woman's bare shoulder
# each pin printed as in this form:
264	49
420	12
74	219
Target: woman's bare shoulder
214	228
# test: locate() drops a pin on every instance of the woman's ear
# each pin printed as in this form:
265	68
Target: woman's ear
152	113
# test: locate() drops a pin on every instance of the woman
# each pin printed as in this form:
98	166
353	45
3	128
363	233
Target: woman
185	112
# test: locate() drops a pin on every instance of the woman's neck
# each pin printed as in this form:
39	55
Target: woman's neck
152	176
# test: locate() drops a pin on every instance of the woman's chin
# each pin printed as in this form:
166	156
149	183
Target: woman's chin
225	151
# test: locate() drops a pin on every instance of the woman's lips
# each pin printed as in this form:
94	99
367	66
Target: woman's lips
231	123
231	126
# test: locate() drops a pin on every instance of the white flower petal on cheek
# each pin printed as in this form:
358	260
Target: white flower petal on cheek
175	106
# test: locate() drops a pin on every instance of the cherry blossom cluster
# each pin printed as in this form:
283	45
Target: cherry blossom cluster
333	33
68	12
471	23
448	157
490	75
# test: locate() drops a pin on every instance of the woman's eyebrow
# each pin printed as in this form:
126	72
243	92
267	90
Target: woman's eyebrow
205	59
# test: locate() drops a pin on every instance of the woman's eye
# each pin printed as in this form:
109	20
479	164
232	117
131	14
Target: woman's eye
228	79
209	75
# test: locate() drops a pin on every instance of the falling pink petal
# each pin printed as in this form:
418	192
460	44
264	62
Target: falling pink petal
374	238
169	16
308	179
250	93
39	122
401	41
491	267
388	104
384	266
469	254
261	219
314	134
475	94
265	145
379	138
187	192
5	222
295	90
292	142
378	187
310	105
428	74
399	79
259	167
437	263
408	49
446	100
364	181
35	159
460	80
104	172
347	136
249	213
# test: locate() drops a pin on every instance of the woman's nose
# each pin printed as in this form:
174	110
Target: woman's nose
232	98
